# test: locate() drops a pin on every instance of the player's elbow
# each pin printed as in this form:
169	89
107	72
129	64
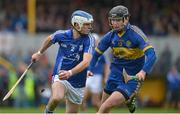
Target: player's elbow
86	59
153	55
150	53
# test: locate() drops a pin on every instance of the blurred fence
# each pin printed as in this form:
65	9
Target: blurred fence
14	42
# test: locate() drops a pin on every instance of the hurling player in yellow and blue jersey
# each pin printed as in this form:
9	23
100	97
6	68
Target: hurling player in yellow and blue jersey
131	51
75	52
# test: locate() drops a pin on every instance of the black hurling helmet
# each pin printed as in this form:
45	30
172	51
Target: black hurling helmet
118	12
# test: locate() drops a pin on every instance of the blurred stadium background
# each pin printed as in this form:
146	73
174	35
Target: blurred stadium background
25	23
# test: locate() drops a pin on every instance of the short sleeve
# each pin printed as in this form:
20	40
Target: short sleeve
89	44
141	39
56	37
104	44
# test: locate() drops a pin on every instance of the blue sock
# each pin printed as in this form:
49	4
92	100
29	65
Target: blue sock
47	111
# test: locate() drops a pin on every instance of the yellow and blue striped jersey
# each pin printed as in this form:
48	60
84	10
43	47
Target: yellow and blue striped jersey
128	48
129	45
130	51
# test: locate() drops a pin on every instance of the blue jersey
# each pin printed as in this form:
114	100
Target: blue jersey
127	48
70	54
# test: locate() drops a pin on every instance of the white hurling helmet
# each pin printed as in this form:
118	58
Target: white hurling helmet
80	17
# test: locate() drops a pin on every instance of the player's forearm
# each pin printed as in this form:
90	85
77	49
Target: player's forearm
106	72
46	44
83	64
150	60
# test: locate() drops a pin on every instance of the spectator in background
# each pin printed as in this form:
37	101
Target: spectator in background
164	62
3	82
178	63
25	95
173	87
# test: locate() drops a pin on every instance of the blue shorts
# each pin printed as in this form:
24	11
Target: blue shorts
116	82
128	89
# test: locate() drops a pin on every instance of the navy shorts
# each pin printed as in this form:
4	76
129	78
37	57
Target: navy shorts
128	89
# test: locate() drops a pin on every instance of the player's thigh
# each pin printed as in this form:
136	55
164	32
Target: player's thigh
58	90
96	98
86	94
71	107
115	99
96	85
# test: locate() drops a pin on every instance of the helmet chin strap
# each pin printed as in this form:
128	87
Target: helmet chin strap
77	30
81	34
118	29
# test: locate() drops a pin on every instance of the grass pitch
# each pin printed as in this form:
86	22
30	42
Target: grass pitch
90	110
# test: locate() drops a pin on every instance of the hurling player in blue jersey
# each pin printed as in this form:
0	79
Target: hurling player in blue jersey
74	55
131	51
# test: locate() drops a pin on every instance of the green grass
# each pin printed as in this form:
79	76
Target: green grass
90	110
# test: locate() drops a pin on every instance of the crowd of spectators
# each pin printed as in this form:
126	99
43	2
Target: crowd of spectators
160	17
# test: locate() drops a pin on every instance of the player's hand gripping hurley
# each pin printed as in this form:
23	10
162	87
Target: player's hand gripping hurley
128	77
15	85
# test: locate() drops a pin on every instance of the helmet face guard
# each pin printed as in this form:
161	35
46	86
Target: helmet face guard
118	13
81	18
110	19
